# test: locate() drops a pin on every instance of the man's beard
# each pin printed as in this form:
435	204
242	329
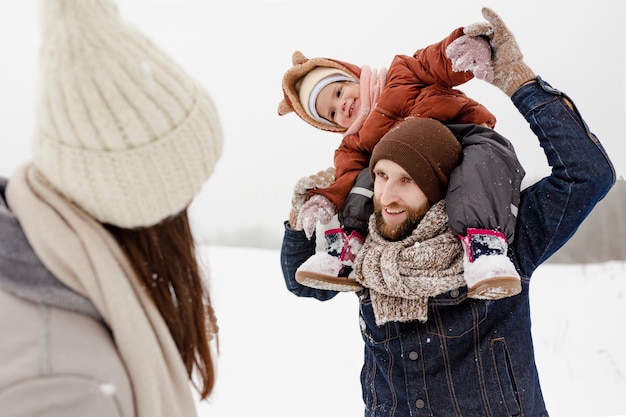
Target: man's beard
398	232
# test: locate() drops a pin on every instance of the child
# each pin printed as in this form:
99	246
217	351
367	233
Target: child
363	104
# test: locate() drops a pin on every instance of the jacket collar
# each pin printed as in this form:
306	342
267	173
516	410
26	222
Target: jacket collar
23	274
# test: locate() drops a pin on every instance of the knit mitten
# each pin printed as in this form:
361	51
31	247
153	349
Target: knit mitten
317	209
471	53
510	71
322	179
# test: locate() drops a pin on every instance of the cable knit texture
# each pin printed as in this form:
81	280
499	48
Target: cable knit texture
402	275
122	130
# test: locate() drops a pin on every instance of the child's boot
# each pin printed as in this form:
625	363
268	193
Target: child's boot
331	269
352	245
489	272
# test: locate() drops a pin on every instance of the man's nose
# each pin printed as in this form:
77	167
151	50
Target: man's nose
389	193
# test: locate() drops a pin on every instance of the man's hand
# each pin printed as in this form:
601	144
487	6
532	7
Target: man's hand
509	70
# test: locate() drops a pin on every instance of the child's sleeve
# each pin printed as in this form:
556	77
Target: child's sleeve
431	65
484	190
349	161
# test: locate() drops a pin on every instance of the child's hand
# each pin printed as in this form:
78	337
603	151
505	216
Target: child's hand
471	53
317	208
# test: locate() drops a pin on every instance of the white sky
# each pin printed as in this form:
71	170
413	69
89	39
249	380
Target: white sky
240	49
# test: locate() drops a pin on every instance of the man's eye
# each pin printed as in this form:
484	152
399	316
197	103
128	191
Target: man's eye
408	180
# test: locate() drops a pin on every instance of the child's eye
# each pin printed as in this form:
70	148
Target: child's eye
332	115
338	92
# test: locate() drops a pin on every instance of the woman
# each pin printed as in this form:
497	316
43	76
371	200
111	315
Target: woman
103	308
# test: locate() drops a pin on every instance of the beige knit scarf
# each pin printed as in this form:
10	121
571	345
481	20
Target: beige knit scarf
84	256
402	275
371	84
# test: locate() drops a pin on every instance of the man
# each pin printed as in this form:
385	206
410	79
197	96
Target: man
430	351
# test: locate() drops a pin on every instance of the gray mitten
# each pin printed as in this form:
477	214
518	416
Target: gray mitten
322	179
509	70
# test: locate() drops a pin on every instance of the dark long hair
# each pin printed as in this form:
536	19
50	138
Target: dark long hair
163	258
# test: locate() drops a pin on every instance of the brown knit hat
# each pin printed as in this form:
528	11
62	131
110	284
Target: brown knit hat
292	81
426	149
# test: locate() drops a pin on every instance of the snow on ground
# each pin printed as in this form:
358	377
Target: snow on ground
282	355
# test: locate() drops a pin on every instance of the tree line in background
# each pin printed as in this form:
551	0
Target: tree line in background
602	236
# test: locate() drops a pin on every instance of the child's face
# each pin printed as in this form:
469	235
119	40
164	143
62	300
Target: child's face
339	102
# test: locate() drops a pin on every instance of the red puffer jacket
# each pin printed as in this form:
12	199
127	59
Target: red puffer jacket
420	86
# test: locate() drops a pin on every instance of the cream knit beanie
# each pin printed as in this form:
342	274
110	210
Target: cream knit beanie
121	129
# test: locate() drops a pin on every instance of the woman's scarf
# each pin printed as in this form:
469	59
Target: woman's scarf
371	82
85	257
402	275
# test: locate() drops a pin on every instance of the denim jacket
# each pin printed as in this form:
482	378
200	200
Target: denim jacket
473	357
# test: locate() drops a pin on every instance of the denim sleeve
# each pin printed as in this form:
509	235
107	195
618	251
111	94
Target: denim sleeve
552	209
296	249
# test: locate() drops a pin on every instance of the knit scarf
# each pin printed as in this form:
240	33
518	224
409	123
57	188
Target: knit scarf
371	82
84	256
402	275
